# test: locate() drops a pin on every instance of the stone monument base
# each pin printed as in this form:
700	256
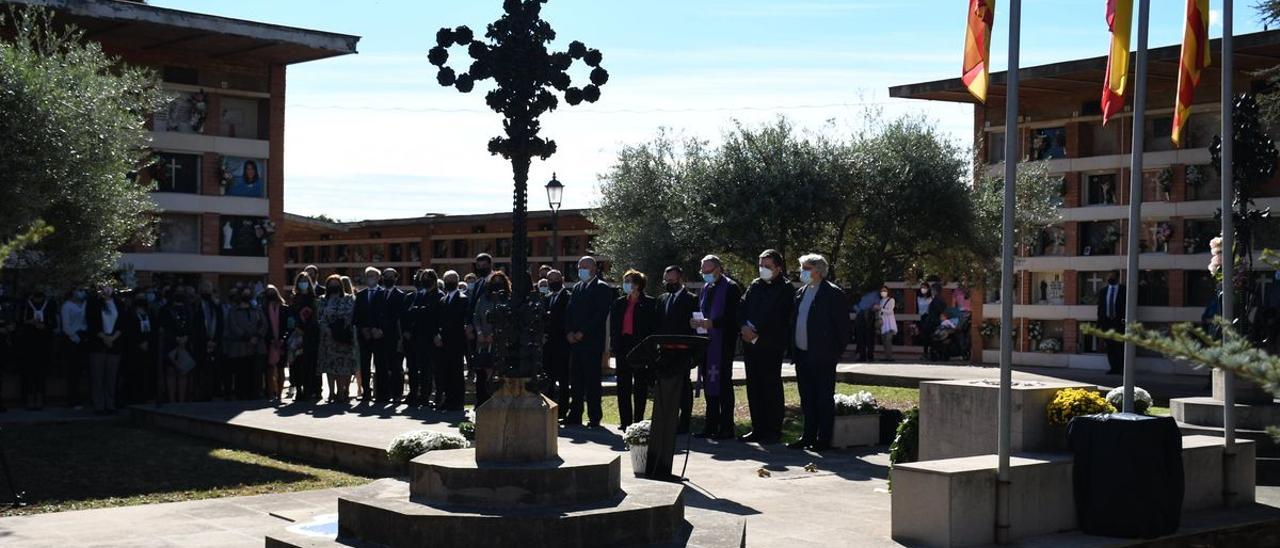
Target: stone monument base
519	425
958	418
454	477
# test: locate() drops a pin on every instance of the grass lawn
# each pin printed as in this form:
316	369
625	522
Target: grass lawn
83	465
793	423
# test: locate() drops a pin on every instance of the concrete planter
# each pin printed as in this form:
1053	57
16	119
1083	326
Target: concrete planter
856	430
639	458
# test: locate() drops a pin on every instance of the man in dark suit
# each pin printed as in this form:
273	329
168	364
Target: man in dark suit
555	353
819	338
589	304
451	385
675	308
1111	301
765	326
421	326
362	318
206	344
388	308
632	319
718	302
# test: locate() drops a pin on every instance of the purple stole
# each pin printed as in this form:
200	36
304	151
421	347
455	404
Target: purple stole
713	310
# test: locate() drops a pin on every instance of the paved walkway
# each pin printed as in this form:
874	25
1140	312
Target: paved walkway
845	502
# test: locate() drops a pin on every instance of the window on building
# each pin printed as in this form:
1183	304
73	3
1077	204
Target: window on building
439	249
1099	189
570	245
1089	344
322	254
1203	183
460	249
995	147
1198	233
1099	238
246	237
239	118
415	252
308	254
1266	234
395	252
340	254
504	247
1050	330
291	255
377	253
1099	140
176	173
1157	135
1201	128
1155	236
1052	242
1157	185
182	114
1153	288
1088	285
1200	288
1048	143
178	234
1047	288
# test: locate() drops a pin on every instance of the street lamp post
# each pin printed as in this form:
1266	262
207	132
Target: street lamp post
513	53
555	195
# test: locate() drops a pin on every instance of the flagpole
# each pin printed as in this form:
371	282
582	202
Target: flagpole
1228	250
1012	152
1135	202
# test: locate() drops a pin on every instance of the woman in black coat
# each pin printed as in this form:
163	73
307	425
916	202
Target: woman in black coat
178	325
104	316
34	340
632	318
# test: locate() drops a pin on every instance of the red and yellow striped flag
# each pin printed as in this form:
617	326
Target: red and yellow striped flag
1195	57
977	47
1120	21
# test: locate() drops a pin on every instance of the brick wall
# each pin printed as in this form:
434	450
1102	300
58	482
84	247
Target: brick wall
275	174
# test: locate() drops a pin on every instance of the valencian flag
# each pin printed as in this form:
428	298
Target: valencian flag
1195	57
977	47
1119	21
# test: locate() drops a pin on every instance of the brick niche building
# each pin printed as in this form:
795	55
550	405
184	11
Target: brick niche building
1058	278
220	177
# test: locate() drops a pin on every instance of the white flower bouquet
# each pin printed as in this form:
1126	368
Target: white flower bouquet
637	434
1141	399
410	445
1050	346
862	403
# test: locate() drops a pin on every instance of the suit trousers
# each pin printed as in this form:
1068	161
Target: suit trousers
451	378
633	385
584	382
720	407
76	362
764	390
817	384
366	366
1115	356
555	366
420	378
104	370
389	372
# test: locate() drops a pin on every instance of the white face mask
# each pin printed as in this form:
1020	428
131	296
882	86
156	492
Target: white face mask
766	274
627	287
806	277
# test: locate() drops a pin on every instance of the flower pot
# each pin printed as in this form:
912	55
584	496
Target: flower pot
639	458
856	430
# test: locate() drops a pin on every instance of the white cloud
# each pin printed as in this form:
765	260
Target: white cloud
1215	18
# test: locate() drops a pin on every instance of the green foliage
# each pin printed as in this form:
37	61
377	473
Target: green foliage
879	203
72	130
38	231
906	441
1037	199
1069	403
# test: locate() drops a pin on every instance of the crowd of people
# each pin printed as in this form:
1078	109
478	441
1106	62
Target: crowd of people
387	345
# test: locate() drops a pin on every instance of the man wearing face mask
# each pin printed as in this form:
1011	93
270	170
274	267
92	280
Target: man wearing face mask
74	358
675	307
555	353
451	385
585	319
765	323
364	322
818	341
207	340
138	366
388	308
718	302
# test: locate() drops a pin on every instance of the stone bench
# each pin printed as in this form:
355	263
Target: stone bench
952	502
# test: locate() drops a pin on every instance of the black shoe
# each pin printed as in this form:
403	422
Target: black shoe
768	440
593	426
748	438
723	436
565	423
819	447
799	444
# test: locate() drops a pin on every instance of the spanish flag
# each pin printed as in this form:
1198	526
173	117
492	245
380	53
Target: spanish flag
977	47
1195	57
1120	21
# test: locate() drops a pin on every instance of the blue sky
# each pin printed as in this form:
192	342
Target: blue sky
372	135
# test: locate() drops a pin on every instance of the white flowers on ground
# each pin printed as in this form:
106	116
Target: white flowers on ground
1051	346
637	434
1141	399
410	445
862	403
